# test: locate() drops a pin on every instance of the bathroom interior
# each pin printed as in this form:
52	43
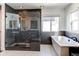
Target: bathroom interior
29	28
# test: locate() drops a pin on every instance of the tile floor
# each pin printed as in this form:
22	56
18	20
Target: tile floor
45	50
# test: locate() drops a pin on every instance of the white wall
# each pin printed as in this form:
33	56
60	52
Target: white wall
55	12
2	40
69	9
0	26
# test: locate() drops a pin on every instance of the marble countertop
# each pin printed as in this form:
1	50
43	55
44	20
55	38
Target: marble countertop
64	41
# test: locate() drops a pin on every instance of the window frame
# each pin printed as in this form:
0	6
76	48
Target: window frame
72	21
50	22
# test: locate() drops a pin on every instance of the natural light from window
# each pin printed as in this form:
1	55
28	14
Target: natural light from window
74	21
50	24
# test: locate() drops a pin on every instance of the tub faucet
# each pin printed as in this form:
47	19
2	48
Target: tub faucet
74	38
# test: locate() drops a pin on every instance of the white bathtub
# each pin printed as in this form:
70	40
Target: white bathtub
61	45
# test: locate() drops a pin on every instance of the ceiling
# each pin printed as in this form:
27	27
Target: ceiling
37	5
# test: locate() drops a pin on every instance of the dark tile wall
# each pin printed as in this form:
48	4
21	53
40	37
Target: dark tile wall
9	9
23	36
70	34
9	35
45	36
20	36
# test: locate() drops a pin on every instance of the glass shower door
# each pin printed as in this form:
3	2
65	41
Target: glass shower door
12	26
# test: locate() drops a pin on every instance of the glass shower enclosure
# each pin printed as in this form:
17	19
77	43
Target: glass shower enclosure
12	26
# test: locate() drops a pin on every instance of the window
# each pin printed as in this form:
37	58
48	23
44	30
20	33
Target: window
46	26
74	26
55	24
50	24
74	21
